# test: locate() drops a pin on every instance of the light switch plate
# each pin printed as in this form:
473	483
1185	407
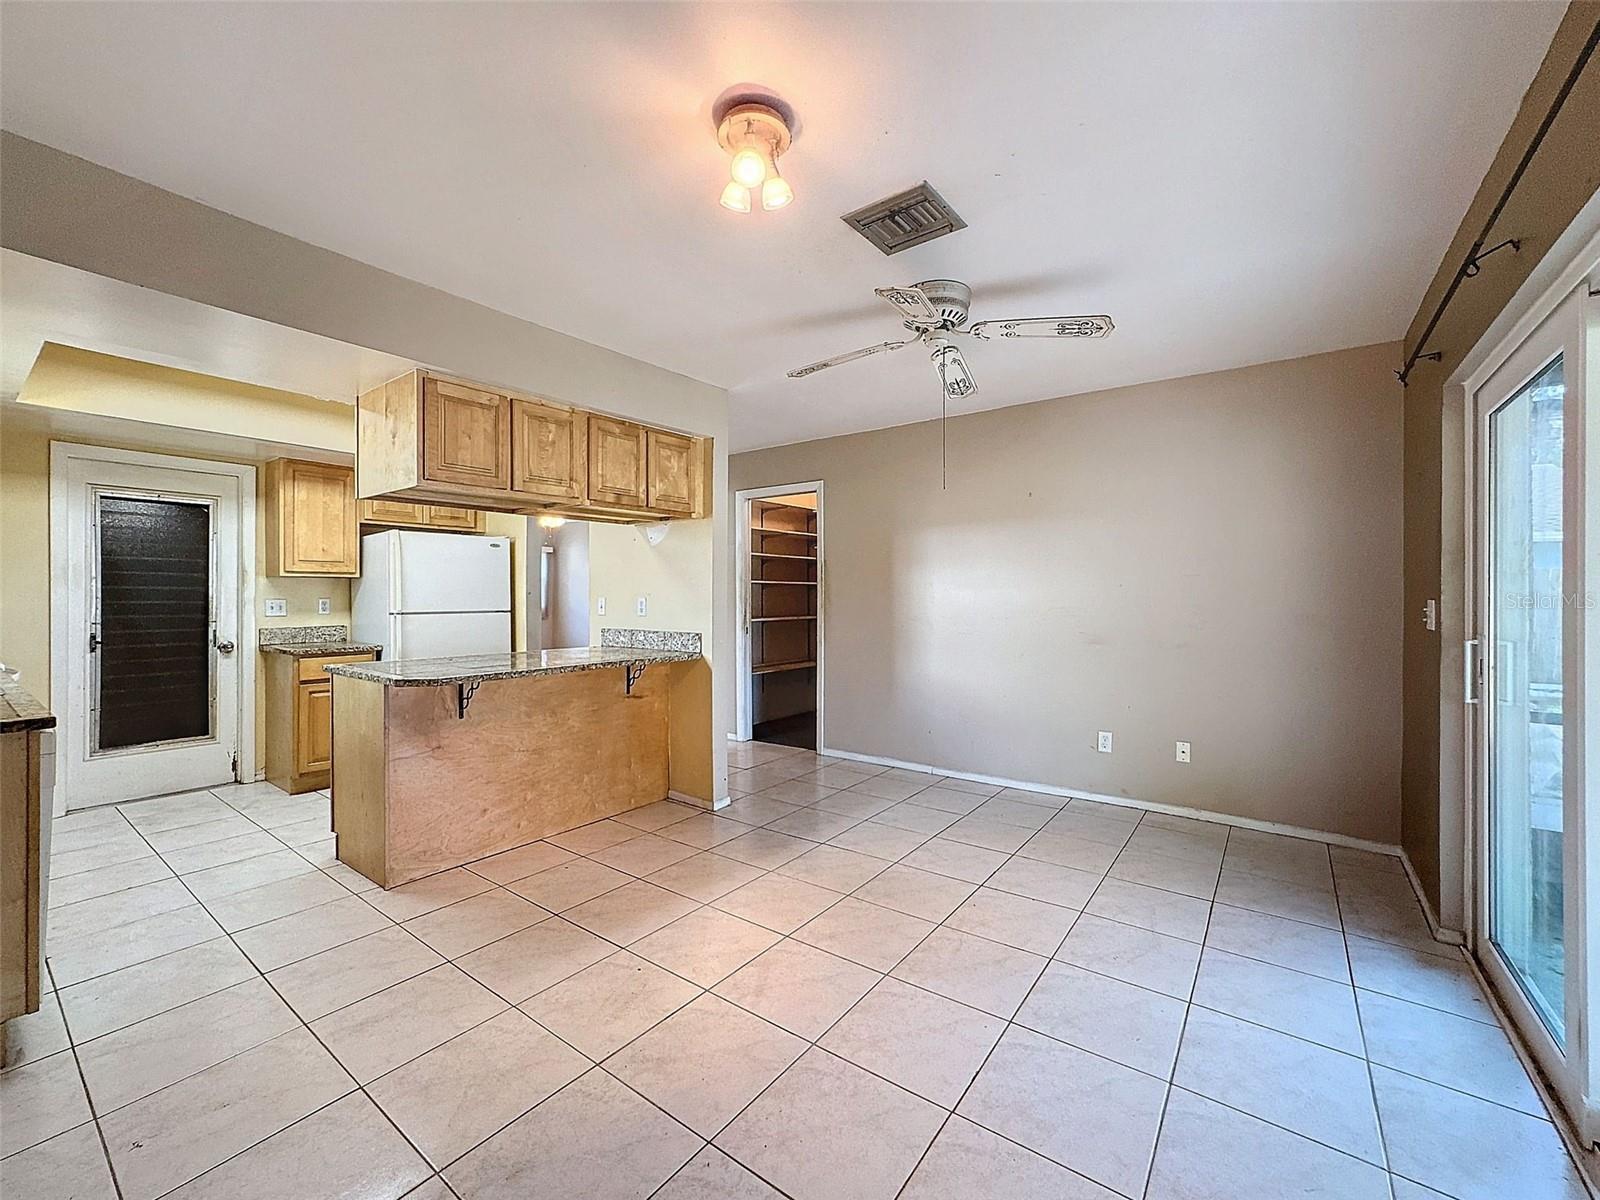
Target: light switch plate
324	607
276	607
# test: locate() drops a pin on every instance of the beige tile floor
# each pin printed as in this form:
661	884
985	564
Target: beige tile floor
853	982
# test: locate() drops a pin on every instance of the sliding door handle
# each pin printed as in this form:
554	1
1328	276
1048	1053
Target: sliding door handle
1472	670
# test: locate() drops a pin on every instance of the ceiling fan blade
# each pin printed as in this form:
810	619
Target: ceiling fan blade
912	303
953	372
813	368
1058	327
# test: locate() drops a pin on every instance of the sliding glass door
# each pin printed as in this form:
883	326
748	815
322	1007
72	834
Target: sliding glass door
1526	681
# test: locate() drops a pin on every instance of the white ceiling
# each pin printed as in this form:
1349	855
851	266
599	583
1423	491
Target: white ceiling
1234	183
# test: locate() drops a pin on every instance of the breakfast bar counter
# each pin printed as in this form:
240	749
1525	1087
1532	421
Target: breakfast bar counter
438	762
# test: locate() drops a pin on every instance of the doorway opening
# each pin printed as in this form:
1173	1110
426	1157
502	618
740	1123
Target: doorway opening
151	594
781	597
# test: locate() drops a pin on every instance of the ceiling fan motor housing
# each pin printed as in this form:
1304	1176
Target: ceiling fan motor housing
950	298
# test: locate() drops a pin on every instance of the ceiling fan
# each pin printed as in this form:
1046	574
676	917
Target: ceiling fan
935	310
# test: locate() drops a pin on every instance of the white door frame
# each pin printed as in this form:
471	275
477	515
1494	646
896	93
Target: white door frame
1575	1076
744	706
62	456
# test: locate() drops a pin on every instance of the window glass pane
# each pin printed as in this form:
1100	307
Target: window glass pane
1525	743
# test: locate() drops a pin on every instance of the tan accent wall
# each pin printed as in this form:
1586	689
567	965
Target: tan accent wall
1560	179
1213	559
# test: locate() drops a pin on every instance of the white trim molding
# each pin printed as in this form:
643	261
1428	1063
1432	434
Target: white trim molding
1174	810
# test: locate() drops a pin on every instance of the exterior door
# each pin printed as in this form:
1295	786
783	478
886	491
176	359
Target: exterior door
152	608
1527	680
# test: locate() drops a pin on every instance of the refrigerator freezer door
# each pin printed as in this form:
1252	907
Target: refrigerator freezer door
450	573
443	635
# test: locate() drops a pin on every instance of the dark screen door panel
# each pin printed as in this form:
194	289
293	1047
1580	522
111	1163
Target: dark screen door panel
155	622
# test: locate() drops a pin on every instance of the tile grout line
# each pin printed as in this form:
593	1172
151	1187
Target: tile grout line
782	936
88	1100
303	1024
1183	1030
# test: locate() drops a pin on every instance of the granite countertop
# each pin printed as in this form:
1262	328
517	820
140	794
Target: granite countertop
475	668
19	711
318	649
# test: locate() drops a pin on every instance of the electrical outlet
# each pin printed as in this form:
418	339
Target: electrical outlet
1103	744
277	606
641	606
1183	751
600	606
324	607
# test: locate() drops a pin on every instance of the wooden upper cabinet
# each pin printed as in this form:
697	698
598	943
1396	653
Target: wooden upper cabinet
429	447
441	516
312	518
549	451
394	512
466	436
673	469
616	462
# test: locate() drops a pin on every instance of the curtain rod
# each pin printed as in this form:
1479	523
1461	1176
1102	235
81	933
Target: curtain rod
1469	266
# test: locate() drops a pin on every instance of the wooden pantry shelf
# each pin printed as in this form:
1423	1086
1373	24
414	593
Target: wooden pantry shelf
773	668
806	617
791	557
789	582
799	533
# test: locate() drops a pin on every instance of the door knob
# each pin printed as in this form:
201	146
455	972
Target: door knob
224	647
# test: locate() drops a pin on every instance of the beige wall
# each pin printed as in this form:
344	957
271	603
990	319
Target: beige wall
1213	559
67	210
1560	178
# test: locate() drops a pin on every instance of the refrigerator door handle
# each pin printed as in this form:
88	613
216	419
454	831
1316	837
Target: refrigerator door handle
396	602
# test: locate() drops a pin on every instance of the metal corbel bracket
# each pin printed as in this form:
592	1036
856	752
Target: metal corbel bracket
464	694
632	673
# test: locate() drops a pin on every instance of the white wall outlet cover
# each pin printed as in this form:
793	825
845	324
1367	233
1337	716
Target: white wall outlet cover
600	606
324	607
1183	752
276	606
1103	742
642	606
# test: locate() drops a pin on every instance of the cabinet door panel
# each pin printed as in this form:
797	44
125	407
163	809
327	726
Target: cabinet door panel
466	436
313	732
317	513
616	461
393	512
674	472
548	451
441	516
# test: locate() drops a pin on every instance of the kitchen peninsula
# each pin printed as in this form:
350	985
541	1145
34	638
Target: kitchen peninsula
443	761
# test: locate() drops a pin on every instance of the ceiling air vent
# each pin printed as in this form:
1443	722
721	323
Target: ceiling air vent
906	219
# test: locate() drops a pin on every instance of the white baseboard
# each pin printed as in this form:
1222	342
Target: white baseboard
1175	810
1452	937
697	801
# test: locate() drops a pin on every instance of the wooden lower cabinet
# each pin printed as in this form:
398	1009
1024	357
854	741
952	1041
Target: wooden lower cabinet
300	720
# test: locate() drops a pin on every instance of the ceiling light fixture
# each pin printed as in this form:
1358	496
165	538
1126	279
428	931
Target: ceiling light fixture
755	133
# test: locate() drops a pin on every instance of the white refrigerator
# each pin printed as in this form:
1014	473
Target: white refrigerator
433	595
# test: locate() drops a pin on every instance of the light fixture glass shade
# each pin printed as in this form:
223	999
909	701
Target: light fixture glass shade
776	193
736	197
749	167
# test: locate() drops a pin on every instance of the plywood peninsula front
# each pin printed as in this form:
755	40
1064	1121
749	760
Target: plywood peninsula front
438	762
